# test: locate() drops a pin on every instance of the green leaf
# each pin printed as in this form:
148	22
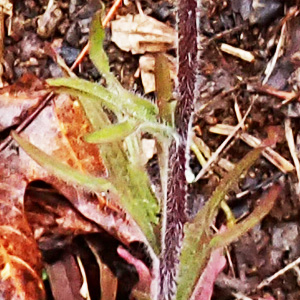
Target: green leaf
196	248
227	183
100	102
132	181
159	130
120	157
98	55
139	108
63	171
112	133
163	85
261	210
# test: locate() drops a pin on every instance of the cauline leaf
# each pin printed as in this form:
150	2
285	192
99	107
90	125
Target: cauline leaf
62	170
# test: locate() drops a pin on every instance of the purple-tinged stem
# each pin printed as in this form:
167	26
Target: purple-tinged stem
188	91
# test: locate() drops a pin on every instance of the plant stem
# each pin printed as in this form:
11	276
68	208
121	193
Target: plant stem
188	86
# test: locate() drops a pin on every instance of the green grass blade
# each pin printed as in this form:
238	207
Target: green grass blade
112	133
196	249
63	171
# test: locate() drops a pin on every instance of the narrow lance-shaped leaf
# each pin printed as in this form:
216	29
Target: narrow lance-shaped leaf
98	55
132	181
142	107
196	249
261	210
117	110
226	184
96	52
62	170
163	87
113	132
133	105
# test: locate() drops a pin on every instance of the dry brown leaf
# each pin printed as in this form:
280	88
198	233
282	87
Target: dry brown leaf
20	259
52	217
140	34
7	7
57	130
19	100
146	68
108	281
65	278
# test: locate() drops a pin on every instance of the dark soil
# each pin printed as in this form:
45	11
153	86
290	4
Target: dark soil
275	242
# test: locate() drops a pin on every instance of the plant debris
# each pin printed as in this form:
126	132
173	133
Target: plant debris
251	51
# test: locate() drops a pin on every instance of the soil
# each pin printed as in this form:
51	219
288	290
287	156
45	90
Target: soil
270	30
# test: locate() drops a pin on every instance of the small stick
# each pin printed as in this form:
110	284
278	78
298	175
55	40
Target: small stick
240	296
28	120
291	143
268	280
276	159
237	52
271	65
223	145
198	145
269	90
238	112
226	32
85	50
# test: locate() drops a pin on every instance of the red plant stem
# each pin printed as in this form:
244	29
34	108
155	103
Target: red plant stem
188	86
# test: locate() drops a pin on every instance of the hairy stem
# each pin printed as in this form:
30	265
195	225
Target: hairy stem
188	91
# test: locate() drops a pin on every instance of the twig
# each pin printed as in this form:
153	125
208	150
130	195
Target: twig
263	185
287	97
272	63
139	7
28	120
280	162
200	148
223	145
238	112
291	143
288	267
237	52
240	296
230	31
